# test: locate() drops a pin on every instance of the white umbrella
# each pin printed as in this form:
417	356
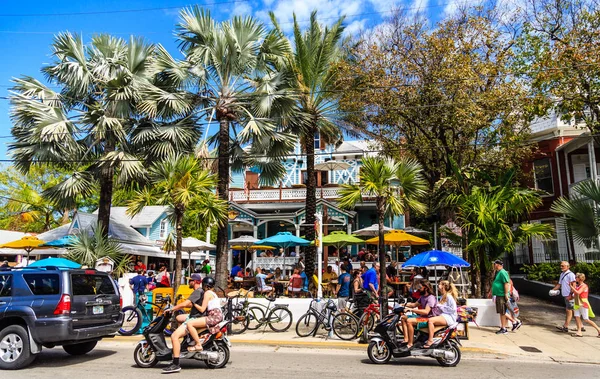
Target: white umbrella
371	231
245	242
332	166
190	244
413	230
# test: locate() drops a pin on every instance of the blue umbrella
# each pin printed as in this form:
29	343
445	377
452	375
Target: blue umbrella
62	242
55	262
283	239
435	257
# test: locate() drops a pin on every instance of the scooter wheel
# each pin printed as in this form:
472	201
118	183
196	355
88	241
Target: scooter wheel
376	356
453	348
144	356
222	349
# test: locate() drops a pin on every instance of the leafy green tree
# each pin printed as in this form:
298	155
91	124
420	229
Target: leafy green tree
93	125
487	215
313	62
88	248
180	183
396	187
231	69
582	214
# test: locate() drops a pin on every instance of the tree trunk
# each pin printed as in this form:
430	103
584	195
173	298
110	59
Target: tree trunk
475	276
484	275
223	193
178	241
311	202
106	190
382	275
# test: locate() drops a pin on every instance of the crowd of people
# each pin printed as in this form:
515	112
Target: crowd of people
150	278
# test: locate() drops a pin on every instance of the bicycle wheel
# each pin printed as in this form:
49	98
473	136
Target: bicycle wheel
367	321
345	326
239	321
307	324
280	319
256	317
132	321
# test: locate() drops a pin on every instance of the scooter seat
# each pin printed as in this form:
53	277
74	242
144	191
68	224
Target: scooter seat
435	330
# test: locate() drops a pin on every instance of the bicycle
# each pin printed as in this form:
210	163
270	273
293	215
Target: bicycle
275	316
133	315
309	323
239	313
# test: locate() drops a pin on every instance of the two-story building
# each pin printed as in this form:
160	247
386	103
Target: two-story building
565	155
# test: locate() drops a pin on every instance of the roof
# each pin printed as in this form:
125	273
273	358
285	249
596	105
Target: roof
581	140
10	235
145	218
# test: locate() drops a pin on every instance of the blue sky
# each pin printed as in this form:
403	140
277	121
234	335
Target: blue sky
27	27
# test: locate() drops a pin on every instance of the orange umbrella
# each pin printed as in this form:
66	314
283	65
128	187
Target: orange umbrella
399	238
27	243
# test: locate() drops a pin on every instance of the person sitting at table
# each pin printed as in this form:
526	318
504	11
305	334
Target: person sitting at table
422	310
391	270
261	279
235	270
278	275
296	283
328	277
248	273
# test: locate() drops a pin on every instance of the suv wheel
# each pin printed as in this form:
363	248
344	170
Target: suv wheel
14	348
80	348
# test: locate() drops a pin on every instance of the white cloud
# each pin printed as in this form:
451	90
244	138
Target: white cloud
242	9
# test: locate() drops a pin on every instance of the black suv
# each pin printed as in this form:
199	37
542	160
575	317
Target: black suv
49	307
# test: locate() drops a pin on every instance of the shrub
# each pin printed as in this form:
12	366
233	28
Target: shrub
550	272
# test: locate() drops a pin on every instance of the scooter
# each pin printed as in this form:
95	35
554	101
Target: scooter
153	348
386	343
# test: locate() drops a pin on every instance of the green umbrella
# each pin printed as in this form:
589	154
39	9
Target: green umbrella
339	239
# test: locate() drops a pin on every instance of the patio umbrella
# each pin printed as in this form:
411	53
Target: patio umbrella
191	244
399	238
55	262
413	230
371	231
27	243
244	242
284	239
331	166
339	239
254	247
65	241
434	258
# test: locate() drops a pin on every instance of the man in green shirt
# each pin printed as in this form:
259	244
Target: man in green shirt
501	292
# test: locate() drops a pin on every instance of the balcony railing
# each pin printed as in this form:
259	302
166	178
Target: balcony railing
280	194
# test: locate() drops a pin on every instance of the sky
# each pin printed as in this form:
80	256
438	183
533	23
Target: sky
27	27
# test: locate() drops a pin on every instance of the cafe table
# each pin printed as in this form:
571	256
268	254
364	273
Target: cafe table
399	286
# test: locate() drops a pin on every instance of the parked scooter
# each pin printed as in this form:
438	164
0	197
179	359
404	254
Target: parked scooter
153	348
386	343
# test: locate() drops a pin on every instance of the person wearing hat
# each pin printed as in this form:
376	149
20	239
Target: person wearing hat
501	294
196	297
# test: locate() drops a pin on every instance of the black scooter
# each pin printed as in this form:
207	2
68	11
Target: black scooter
153	348
386	343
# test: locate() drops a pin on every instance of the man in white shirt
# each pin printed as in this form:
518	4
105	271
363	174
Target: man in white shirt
564	284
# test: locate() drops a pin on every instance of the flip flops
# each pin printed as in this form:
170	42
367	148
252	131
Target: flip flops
194	348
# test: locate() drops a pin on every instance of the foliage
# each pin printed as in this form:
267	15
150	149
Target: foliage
88	248
582	213
558	56
181	183
312	65
439	93
550	272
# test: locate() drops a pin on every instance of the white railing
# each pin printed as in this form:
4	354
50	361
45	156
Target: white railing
283	194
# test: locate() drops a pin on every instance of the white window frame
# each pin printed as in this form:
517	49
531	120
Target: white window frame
164	223
551	176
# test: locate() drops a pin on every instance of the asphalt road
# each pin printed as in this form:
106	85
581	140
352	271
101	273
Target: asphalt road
115	359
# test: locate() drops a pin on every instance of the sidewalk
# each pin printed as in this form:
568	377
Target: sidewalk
538	335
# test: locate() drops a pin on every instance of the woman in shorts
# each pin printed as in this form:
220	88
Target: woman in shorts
582	308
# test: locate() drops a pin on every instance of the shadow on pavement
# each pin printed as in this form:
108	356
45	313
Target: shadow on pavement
57	357
406	362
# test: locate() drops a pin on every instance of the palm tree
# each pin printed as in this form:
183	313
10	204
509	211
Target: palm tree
395	187
582	213
88	248
487	214
180	183
313	65
93	124
232	72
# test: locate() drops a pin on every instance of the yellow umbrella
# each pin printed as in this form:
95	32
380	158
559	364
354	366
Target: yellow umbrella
399	238
27	243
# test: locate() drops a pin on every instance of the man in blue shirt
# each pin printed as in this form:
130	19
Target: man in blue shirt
235	270
343	288
139	283
370	283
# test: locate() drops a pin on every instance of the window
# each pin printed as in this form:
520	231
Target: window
5	285
91	285
542	171
42	284
163	228
317	140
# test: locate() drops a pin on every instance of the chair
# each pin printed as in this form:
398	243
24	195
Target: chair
295	287
260	288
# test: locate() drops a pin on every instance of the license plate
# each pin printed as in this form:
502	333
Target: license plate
98	309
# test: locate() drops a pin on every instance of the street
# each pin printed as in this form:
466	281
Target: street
115	359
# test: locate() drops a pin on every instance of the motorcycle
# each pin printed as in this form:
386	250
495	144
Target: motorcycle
386	343
153	348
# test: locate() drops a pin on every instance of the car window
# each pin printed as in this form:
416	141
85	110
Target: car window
86	284
5	285
43	284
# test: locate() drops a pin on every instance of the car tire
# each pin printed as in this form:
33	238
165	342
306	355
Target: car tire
14	340
80	348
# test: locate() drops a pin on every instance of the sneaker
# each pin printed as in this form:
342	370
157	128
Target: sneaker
502	331
517	325
171	369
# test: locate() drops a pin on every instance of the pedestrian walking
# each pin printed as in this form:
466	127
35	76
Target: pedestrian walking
512	308
501	293
564	284
582	308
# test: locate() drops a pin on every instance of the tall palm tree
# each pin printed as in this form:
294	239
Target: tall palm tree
582	213
395	187
180	183
232	72
313	65
488	214
94	124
